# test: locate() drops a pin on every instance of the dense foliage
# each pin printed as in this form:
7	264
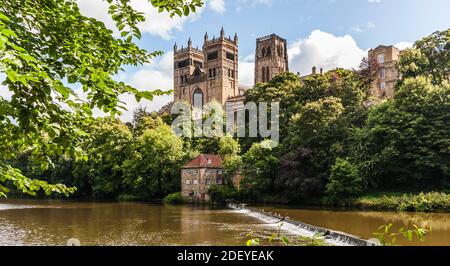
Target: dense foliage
47	132
399	143
44	47
345	182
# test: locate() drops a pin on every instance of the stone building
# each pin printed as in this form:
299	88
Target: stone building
201	76
212	73
202	172
386	57
271	57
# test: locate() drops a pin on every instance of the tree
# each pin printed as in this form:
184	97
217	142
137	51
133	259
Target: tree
153	169
406	141
429	58
345	182
142	120
230	150
101	173
259	168
42	44
316	135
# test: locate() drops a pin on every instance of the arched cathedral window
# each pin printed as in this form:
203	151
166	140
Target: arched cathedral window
198	98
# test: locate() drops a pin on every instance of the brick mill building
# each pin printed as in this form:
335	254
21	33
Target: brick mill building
200	174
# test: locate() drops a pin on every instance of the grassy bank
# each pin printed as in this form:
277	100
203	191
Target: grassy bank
421	202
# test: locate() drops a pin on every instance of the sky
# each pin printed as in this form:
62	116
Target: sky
323	33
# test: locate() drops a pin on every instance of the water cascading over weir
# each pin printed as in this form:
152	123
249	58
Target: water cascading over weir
331	237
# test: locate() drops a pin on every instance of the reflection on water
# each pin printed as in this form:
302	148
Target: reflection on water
33	222
365	223
27	222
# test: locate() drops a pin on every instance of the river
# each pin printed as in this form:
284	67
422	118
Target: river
49	222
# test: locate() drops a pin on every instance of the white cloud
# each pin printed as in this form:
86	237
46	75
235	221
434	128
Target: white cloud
404	45
158	24
217	6
374	1
361	28
152	77
324	50
247	71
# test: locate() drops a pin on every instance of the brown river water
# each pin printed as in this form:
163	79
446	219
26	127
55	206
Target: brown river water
42	222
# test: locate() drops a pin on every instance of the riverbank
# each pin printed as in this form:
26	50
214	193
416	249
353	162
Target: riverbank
422	202
378	201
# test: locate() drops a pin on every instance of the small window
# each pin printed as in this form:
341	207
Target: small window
382	85
380	58
183	63
269	51
264	74
196	181
188	182
219	171
219	181
213	56
383	73
230	56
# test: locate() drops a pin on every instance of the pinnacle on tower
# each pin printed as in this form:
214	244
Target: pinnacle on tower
235	37
206	36
175	47
189	43
222	33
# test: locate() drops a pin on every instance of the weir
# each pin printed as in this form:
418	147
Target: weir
331	237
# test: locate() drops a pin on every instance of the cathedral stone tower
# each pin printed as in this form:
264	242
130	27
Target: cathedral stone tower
271	57
201	76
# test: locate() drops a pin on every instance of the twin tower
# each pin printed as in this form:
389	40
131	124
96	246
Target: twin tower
212	73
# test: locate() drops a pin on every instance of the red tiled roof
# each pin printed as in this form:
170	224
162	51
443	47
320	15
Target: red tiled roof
205	161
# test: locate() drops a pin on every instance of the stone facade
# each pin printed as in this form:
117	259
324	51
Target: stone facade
201	76
271	58
386	57
200	174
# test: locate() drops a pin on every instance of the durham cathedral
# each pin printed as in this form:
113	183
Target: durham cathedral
212	73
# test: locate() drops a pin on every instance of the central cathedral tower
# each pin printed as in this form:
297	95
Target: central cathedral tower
271	57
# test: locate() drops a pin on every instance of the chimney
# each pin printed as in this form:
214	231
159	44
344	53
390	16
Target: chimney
314	70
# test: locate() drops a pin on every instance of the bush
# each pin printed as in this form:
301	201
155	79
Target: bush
174	198
345	182
422	202
221	194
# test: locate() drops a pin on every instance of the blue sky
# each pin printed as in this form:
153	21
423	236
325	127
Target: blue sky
325	33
